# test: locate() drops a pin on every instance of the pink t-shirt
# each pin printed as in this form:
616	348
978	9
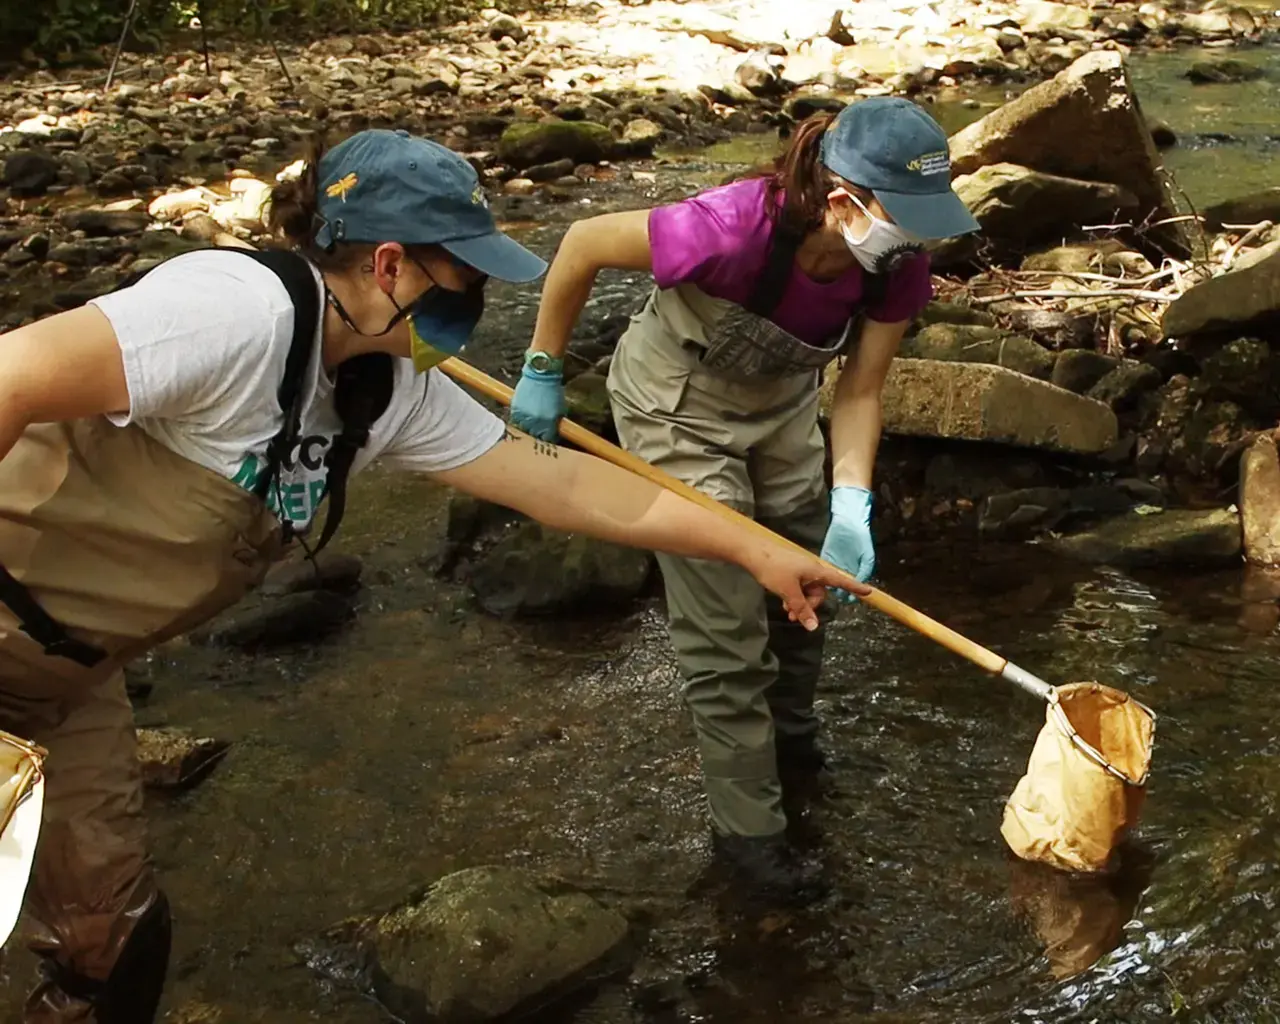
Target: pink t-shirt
719	241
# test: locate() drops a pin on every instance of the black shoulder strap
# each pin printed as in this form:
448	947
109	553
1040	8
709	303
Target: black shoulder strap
361	394
874	289
296	276
771	285
299	281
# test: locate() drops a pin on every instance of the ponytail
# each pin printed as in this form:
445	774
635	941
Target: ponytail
801	178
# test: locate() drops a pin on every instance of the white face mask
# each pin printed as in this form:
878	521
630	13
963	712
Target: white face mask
883	247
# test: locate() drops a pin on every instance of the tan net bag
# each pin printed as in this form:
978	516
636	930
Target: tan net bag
21	805
1084	785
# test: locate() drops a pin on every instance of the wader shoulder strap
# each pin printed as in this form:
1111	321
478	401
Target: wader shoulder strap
296	276
771	285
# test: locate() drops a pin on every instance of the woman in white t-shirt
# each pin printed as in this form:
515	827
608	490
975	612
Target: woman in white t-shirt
159	446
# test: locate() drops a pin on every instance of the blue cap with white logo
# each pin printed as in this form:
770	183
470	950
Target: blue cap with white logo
892	147
390	186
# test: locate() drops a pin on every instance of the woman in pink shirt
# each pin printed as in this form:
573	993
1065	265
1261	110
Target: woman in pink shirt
759	285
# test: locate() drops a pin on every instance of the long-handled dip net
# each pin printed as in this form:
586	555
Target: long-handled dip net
1086	778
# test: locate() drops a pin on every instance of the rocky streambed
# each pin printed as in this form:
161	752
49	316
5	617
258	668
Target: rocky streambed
461	691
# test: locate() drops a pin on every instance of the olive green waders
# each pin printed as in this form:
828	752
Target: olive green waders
753	443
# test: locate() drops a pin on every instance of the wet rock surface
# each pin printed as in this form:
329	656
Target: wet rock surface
1176	537
176	758
1260	502
1248	295
976	402
516	567
295	618
485	944
1042	128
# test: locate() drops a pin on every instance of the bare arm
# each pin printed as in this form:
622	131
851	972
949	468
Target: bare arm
619	241
855	409
62	368
578	493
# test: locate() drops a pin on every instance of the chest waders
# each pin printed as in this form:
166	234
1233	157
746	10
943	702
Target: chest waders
723	399
112	543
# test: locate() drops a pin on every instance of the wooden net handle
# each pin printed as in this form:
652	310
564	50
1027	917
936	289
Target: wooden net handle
985	659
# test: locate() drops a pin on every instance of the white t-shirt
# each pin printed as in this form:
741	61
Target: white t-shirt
205	337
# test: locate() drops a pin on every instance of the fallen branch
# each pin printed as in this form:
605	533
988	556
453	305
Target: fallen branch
1063	293
1244	240
1105	278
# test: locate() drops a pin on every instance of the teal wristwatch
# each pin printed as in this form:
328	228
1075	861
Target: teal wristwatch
542	362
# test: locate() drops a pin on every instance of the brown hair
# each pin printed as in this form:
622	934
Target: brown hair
800	176
294	217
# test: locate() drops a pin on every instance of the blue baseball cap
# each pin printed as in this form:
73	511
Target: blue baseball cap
892	147
389	186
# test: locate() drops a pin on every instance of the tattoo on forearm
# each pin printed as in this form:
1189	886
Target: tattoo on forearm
539	447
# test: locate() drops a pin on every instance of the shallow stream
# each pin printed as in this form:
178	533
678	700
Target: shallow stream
428	738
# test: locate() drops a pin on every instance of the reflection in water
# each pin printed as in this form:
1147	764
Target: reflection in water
1079	918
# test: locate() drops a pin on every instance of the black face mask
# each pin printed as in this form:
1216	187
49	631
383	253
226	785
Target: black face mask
442	321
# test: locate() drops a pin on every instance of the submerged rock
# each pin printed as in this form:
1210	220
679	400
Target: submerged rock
486	944
329	570
534	570
295	618
1223	69
1260	502
174	758
976	402
1170	538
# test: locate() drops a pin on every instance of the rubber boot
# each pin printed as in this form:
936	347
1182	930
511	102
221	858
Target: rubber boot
769	869
803	767
130	994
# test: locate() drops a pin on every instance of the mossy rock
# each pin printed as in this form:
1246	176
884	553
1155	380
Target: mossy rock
528	144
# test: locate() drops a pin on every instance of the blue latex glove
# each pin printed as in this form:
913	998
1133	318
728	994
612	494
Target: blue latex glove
538	403
848	544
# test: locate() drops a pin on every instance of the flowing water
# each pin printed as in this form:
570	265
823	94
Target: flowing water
428	737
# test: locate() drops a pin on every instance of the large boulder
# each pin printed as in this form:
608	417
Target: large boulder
1260	502
484	944
977	402
1019	208
1247	296
1186	538
1084	123
976	344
